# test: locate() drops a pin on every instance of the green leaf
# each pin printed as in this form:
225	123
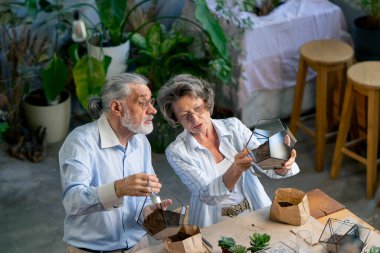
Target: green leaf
32	7
89	77
111	14
153	40
54	78
138	40
212	27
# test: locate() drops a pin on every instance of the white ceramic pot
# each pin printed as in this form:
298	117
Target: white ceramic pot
119	55
56	118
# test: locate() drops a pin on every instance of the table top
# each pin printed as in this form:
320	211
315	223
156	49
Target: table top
241	227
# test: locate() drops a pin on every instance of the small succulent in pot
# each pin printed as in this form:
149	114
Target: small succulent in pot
238	249
259	242
225	243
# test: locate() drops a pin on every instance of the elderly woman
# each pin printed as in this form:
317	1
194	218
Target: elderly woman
209	155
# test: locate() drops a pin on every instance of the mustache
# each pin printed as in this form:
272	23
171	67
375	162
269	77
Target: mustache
150	117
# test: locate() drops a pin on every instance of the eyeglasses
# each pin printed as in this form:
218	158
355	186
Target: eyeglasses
145	104
196	111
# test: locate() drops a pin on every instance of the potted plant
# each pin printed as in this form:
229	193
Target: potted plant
37	78
238	249
366	32
160	54
258	242
225	243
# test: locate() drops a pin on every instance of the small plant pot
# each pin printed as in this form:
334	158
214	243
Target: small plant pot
225	251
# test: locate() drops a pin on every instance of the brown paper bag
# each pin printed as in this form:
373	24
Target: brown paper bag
192	244
290	206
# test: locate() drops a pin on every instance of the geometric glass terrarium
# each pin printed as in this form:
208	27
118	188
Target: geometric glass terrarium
273	143
161	221
343	236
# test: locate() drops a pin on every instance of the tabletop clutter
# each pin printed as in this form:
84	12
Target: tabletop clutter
290	206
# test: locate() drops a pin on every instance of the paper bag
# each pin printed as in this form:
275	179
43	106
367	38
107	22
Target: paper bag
290	206
192	244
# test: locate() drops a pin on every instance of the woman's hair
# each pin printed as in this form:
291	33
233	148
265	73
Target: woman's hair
178	87
116	88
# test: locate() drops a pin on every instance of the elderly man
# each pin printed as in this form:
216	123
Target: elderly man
105	168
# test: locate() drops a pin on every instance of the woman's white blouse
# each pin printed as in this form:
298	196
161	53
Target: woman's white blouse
196	167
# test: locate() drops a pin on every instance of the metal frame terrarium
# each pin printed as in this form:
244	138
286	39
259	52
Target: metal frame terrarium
161	221
276	143
343	236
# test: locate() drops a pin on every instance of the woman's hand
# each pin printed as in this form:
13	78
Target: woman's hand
242	161
286	166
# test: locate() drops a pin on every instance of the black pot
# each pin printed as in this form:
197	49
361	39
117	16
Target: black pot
367	40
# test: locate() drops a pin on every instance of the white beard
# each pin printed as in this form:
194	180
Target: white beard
137	128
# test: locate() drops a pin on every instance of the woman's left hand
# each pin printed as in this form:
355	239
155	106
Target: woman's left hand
286	166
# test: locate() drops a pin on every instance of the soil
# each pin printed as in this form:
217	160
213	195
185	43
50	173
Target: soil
179	237
161	219
285	204
262	152
344	244
38	98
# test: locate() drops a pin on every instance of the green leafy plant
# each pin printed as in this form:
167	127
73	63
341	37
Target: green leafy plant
373	249
259	242
373	8
226	242
238	249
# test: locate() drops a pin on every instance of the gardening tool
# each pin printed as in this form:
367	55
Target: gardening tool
154	196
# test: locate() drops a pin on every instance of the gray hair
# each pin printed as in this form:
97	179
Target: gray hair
178	87
116	88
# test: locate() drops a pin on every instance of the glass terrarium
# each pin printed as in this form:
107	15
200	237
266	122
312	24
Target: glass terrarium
162	220
273	143
343	236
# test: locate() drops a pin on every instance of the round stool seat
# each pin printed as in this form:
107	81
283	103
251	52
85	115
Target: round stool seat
365	74
327	52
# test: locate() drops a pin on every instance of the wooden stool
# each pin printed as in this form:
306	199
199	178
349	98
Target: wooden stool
363	77
324	56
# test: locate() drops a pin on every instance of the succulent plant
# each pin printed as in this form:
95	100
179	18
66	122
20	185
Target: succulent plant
258	242
226	242
238	249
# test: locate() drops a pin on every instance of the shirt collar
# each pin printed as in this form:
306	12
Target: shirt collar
108	137
220	129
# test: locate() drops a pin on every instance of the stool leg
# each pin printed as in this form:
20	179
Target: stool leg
344	126
321	118
298	95
338	95
372	140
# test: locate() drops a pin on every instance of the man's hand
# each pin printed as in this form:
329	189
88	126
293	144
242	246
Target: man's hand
137	185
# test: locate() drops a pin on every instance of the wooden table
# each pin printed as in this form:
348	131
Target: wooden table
241	227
